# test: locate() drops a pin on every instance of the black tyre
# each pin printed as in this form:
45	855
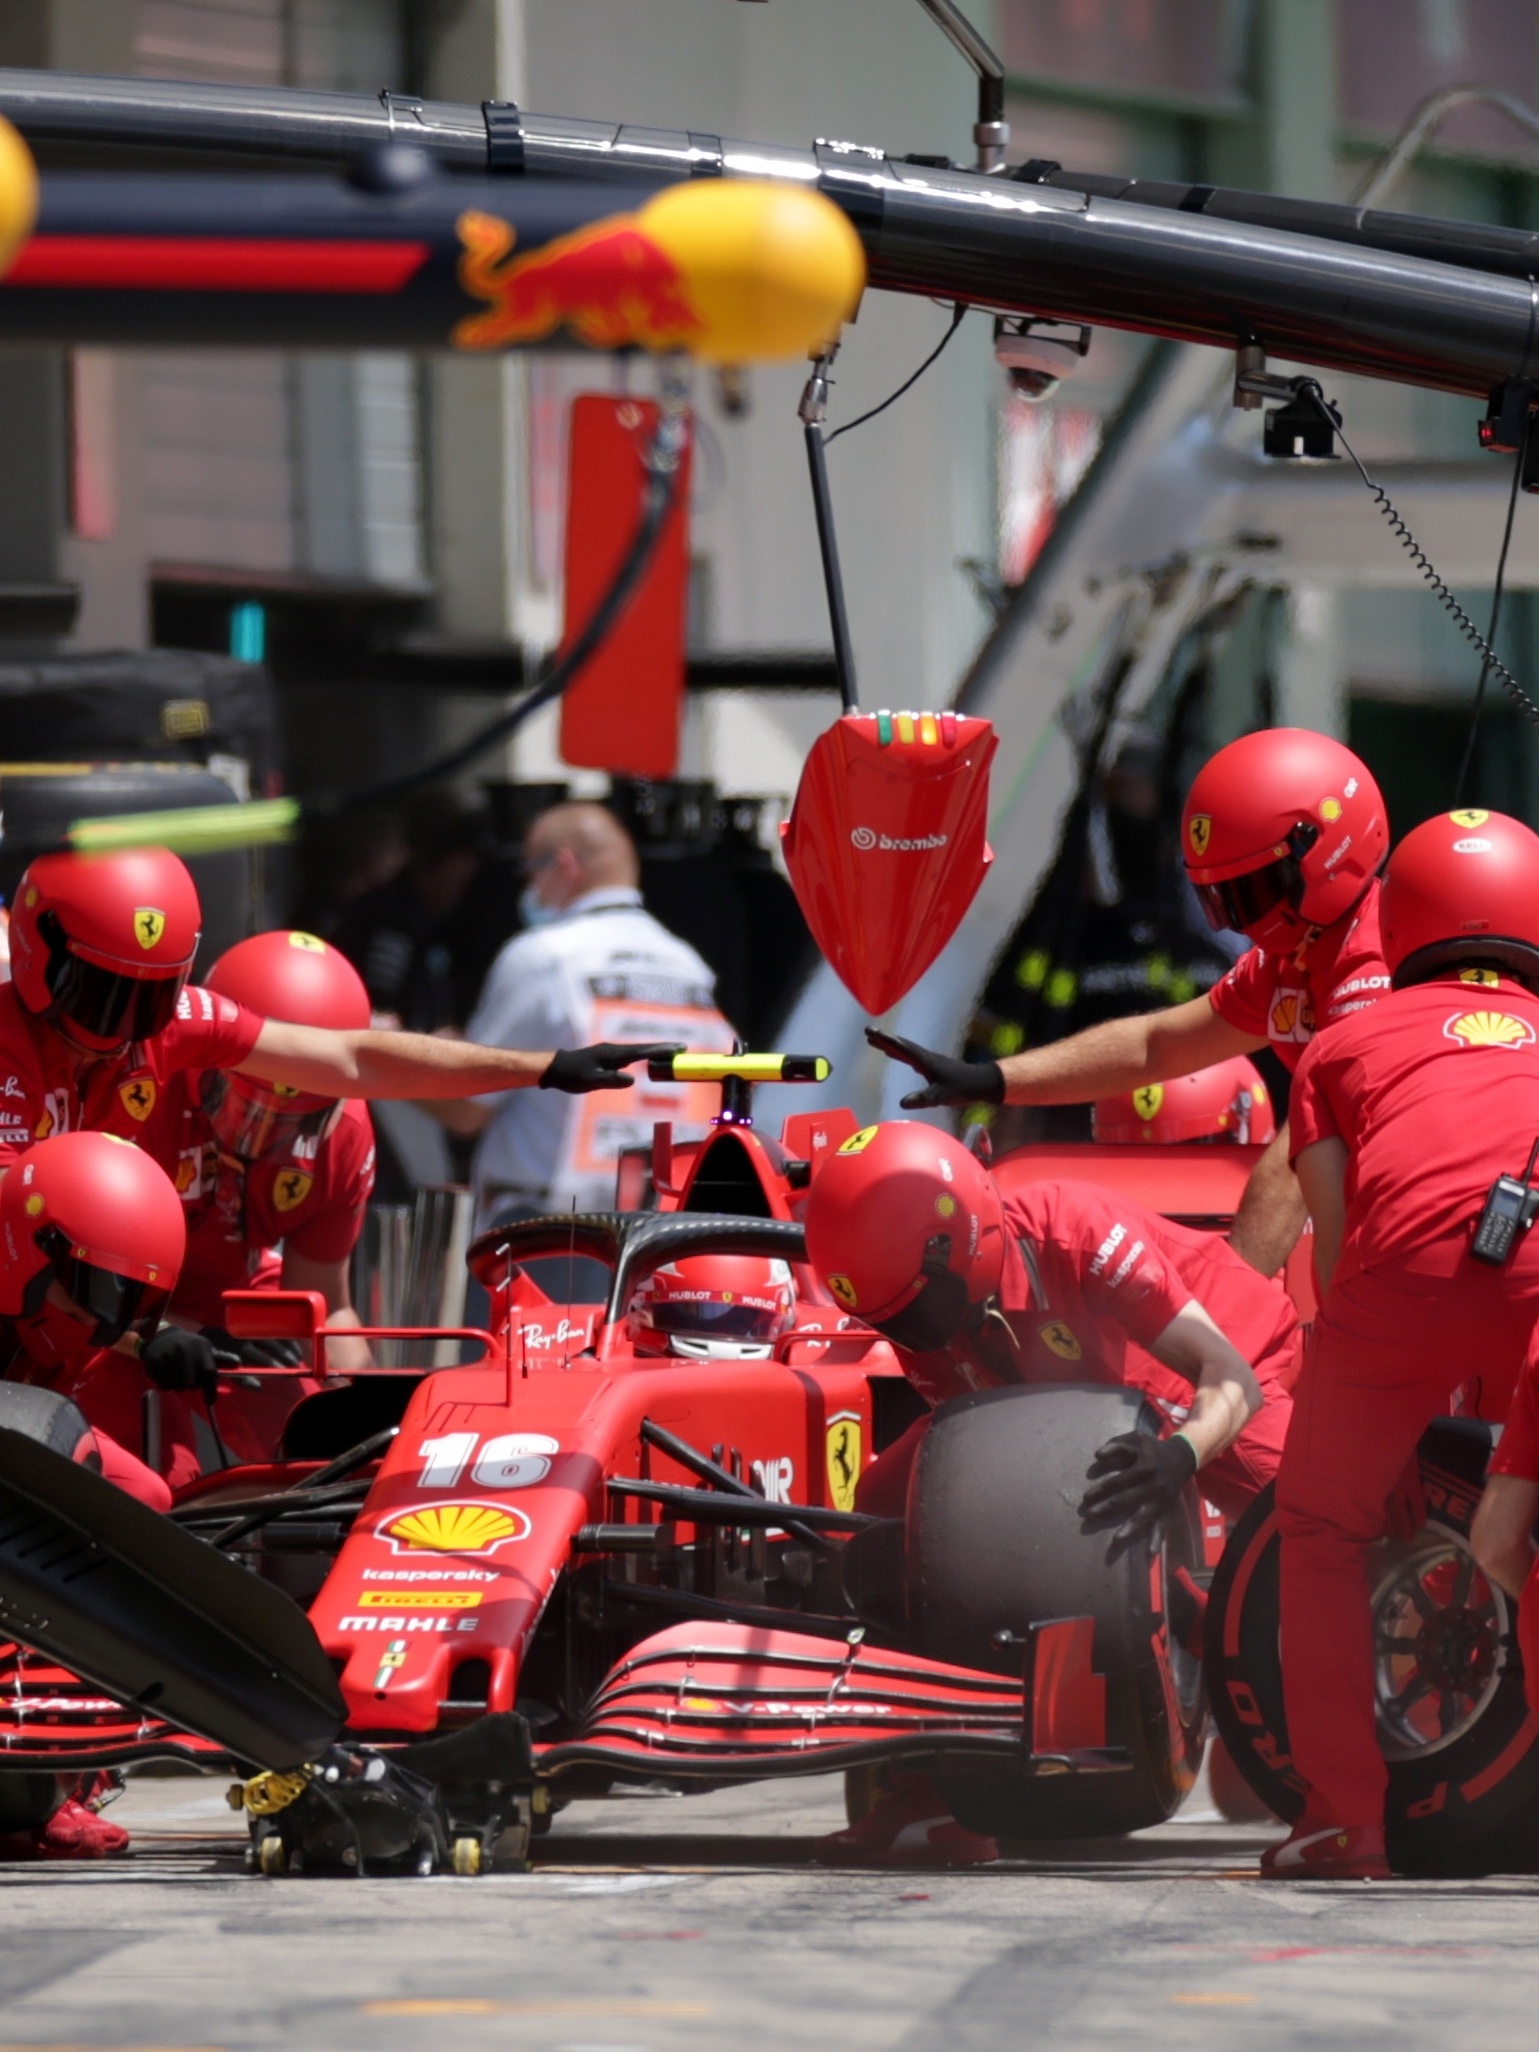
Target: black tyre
40	1414
1462	1747
994	1546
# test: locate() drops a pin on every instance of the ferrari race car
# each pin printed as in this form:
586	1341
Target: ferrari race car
571	1560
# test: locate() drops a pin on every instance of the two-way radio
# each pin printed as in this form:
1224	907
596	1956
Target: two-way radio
1510	1208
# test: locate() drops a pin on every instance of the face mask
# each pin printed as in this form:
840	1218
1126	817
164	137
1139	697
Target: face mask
533	910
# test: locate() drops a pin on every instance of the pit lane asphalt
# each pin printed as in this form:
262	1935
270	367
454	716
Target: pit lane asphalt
655	1923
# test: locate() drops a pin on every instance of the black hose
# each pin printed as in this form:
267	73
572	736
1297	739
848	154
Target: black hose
661	462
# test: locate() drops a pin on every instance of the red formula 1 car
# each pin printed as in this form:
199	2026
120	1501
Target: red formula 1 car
569	1562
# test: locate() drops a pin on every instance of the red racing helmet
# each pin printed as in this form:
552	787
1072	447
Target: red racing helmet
99	1218
101	945
907	1229
1228	1101
714	1307
1463	889
1283	830
303	981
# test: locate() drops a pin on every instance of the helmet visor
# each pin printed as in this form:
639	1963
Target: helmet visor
114	1303
717	1321
1241	902
263	1121
109	1006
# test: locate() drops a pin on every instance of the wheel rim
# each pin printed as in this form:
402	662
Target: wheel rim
1439	1633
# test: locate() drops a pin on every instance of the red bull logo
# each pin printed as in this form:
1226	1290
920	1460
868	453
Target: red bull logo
612	285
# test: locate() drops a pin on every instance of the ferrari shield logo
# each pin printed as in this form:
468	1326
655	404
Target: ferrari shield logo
1147	1099
309	942
1474	818
844	1292
149	925
1199	832
1059	1340
844	1458
1489	977
858	1142
137	1097
292	1188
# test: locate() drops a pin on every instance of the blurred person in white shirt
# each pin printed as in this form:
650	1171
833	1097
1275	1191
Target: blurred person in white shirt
592	965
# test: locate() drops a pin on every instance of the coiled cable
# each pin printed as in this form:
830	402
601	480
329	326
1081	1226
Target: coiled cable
1307	388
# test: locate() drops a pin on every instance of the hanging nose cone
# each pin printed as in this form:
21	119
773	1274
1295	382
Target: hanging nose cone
886	843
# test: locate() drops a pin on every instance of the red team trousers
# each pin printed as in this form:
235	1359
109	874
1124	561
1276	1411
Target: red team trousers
1386	1353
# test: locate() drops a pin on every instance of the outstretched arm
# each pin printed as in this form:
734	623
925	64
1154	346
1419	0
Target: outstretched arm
367	1063
1117	1055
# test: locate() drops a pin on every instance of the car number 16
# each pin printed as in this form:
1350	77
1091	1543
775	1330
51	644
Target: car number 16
513	1460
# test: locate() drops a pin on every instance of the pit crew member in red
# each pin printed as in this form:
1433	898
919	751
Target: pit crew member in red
91	1237
1058	1280
275	1181
1283	835
1402	1120
98	1016
91	1240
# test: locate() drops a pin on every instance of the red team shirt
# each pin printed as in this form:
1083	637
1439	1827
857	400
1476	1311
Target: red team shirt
1433	1095
313	1201
1287	999
1114	1275
149	1095
42	1092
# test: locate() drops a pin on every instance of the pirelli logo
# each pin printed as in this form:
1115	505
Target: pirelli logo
419	1599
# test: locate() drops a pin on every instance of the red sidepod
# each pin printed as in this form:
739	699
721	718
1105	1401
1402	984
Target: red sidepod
886	843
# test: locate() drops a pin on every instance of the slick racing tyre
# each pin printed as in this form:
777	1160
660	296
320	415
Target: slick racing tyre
1462	1749
995	1546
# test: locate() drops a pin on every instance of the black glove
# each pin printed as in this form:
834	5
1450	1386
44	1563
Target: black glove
1136	1482
179	1361
576	1069
230	1352
950	1081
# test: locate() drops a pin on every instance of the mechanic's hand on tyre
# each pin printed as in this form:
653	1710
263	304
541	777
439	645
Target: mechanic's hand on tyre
948	1080
601	1067
230	1352
1135	1482
179	1362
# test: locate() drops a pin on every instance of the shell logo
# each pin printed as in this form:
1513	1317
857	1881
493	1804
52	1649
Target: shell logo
1489	1029
454	1528
1330	810
945	1206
